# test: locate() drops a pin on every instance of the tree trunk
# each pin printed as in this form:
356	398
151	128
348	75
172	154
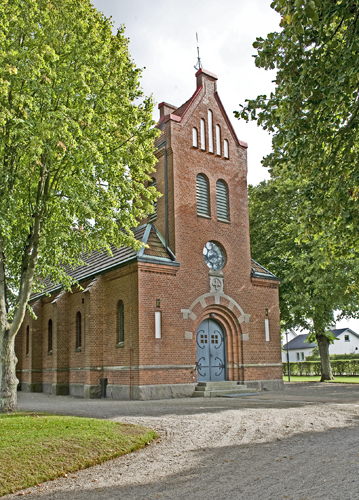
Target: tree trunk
326	369
8	380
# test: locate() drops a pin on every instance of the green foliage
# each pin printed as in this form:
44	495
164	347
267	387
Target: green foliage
39	447
76	139
345	379
313	285
315	356
339	367
313	115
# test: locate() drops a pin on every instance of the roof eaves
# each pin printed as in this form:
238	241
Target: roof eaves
266	275
158	260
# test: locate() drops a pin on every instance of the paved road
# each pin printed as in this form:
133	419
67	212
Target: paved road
300	443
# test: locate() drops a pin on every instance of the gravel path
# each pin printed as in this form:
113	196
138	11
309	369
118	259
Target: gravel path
299	444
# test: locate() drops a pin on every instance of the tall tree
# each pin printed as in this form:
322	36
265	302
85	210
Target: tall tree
313	287
313	113
76	147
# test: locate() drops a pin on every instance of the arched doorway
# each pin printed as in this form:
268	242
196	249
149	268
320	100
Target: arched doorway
211	351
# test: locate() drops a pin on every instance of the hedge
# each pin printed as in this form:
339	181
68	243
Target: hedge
341	357
339	367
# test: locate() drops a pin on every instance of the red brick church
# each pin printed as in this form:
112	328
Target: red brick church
189	307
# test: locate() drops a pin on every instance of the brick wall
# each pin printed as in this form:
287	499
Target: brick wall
241	310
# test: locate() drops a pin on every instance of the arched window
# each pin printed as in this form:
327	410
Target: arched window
27	339
203	135
120	322
218	140
78	330
222	201
226	149
195	137
210	131
202	188
49	336
153	216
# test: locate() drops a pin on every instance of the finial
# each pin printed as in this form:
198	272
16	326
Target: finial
199	64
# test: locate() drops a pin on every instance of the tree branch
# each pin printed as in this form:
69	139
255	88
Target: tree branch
31	252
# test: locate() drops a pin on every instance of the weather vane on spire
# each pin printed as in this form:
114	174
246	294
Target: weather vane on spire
199	64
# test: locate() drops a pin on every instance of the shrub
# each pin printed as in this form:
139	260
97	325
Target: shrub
339	367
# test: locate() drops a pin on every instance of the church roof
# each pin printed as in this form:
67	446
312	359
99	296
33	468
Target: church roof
99	262
259	271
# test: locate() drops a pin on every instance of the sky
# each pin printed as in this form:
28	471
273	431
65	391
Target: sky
162	41
162	38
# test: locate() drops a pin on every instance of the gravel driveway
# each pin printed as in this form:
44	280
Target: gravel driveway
300	444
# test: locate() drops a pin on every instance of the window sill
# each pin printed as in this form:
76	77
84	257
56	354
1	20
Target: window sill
204	216
224	220
120	345
78	349
49	353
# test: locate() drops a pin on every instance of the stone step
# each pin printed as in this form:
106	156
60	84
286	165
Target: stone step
218	384
219	388
217	393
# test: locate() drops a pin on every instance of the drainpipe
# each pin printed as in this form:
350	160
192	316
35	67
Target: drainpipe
164	145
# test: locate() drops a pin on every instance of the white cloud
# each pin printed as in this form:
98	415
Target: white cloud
163	39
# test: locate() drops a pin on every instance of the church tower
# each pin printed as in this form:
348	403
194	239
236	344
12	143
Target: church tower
229	304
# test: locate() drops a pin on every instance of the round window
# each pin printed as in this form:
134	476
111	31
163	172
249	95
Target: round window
214	255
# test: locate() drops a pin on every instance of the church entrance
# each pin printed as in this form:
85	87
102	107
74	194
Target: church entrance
210	352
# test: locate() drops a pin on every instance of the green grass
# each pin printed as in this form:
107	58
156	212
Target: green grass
37	447
316	378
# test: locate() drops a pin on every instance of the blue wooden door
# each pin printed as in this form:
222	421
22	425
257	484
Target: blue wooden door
210	352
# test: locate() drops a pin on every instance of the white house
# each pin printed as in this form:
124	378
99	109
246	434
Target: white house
297	348
347	342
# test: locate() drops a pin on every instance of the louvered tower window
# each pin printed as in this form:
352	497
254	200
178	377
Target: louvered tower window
222	201
202	195
153	216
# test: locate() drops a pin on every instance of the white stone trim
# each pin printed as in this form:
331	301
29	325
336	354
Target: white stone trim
188	314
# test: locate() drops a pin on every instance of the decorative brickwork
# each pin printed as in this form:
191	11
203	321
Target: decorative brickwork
171	277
